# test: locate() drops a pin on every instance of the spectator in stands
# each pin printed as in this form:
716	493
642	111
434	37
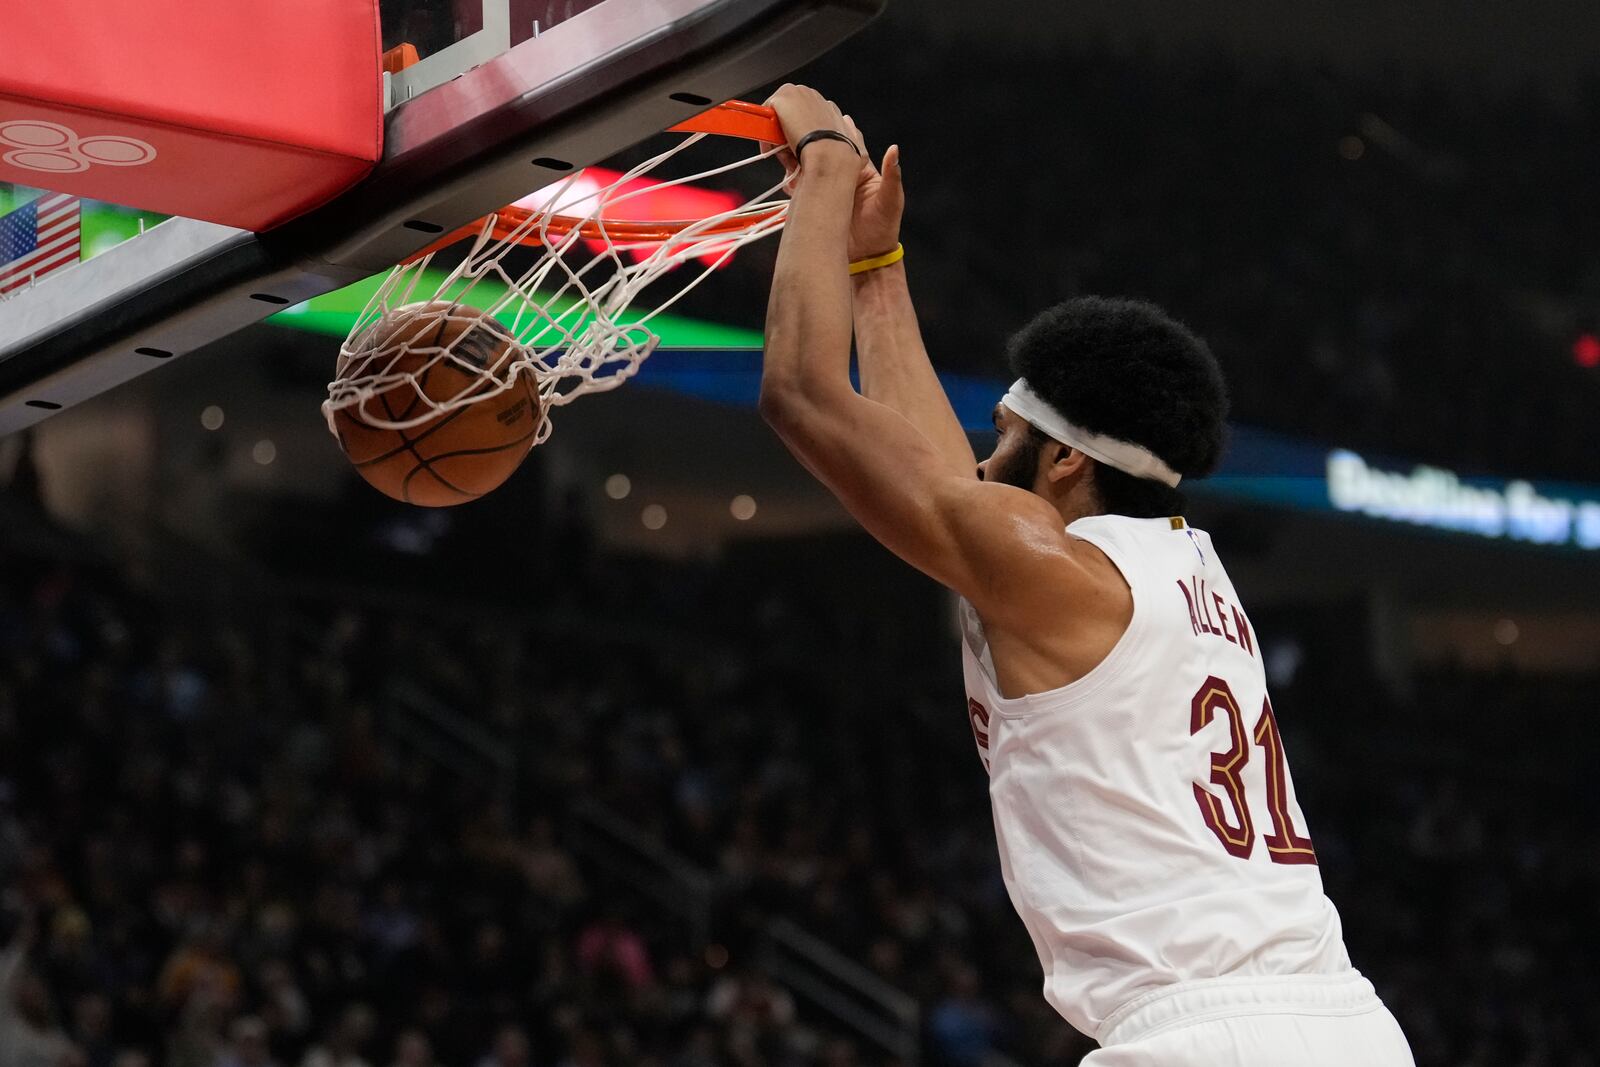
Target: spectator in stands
346	1041
29	1035
247	1045
91	1029
610	949
510	1049
201	967
962	1026
756	1011
283	1006
585	1049
551	874
413	1049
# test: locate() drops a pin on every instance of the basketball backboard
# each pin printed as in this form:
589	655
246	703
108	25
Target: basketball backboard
504	97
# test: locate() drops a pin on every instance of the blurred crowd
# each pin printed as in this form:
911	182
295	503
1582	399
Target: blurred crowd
214	855
218	847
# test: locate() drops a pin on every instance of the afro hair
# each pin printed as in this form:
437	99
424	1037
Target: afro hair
1126	369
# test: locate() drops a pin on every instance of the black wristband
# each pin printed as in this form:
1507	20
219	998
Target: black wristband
824	135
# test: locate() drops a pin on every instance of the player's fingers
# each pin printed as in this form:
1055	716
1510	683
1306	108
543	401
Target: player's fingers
791	165
854	133
791	168
892	195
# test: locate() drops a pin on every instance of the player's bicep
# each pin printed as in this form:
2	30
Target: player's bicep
988	542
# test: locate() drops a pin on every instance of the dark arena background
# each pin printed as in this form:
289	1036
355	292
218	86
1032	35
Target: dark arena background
652	758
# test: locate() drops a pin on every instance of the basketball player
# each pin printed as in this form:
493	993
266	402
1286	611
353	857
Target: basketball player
1148	830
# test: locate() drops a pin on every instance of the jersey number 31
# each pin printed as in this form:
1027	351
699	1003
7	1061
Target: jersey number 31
1236	831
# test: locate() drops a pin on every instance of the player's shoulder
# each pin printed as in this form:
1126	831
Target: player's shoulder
1028	518
1045	567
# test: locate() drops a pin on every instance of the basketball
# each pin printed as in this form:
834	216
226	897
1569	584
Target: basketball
459	454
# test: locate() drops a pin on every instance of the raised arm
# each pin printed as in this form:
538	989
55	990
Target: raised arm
1001	547
890	355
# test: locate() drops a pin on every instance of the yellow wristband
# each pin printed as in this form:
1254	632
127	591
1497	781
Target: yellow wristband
861	266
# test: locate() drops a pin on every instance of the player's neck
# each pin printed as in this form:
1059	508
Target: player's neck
1074	503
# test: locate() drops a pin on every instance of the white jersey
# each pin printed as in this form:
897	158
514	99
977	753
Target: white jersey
1147	825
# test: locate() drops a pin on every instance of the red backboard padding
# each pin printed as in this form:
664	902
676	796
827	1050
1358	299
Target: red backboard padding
233	111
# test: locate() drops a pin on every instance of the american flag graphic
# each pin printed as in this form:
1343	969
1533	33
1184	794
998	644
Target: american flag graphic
37	238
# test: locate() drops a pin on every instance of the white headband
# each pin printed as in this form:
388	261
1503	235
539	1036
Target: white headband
1125	456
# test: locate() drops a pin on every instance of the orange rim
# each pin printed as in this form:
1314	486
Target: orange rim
752	122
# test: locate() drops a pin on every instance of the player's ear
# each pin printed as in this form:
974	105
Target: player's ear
1063	462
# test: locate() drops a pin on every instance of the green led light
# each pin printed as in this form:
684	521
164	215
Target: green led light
335	313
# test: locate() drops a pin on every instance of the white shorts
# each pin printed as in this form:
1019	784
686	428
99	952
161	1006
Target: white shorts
1293	1021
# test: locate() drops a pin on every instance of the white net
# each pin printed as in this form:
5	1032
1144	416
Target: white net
571	315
